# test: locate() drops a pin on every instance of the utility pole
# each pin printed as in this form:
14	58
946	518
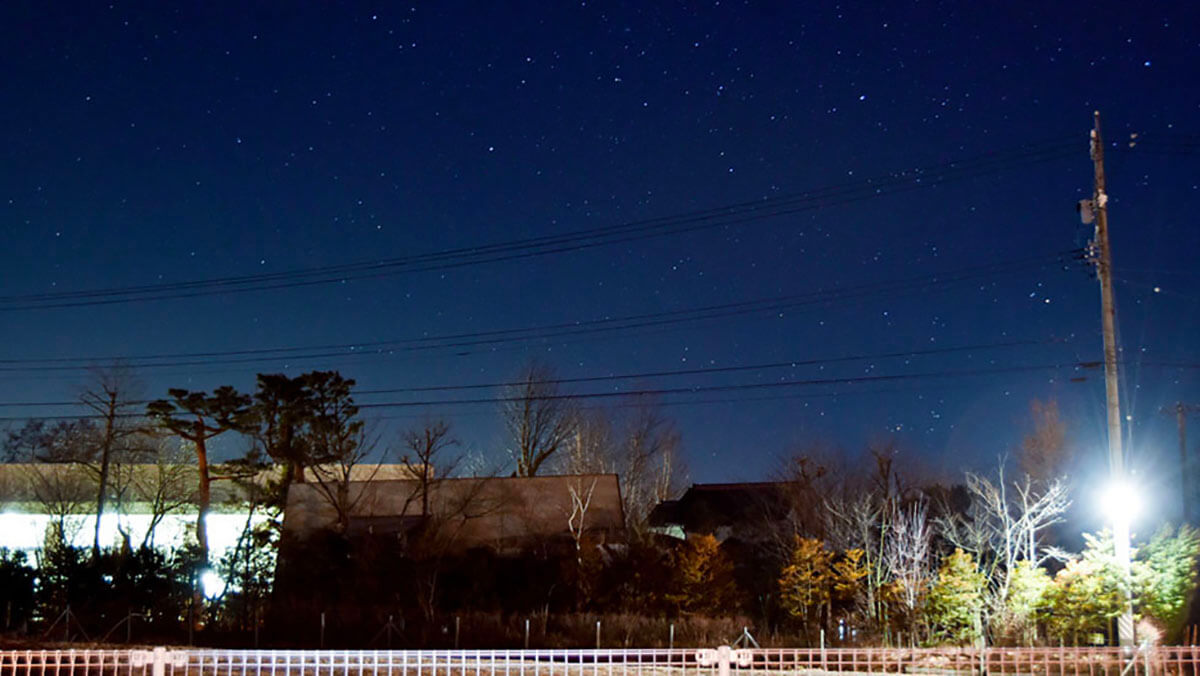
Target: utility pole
1116	455
1181	411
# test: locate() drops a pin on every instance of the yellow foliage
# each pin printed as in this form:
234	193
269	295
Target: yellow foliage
703	579
805	583
848	574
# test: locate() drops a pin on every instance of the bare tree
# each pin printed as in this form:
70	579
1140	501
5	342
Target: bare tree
164	486
642	447
539	421
428	444
590	450
63	491
52	469
112	397
581	491
906	553
648	462
1004	525
333	479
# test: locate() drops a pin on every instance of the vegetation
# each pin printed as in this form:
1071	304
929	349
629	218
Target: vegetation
832	553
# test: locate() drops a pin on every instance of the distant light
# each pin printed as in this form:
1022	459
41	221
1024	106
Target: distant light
211	584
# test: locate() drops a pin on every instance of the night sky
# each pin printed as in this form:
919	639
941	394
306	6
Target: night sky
438	193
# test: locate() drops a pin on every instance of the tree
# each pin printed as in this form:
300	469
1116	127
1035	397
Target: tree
641	447
197	417
955	603
538	420
805	583
906	556
850	574
1165	576
428	444
112	397
1004	525
1088	592
1045	454
277	419
703	582
647	461
336	440
163	486
1028	589
51	469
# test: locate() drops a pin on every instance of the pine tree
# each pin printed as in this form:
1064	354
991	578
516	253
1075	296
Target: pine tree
955	600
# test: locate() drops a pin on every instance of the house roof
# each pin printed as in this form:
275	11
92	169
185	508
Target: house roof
493	511
707	508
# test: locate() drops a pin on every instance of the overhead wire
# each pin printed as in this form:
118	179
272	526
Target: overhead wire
871	188
791	363
676	391
893	288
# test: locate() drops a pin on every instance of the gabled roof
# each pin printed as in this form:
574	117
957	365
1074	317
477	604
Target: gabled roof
493	511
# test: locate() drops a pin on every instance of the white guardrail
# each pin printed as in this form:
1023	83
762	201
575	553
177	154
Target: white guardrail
721	661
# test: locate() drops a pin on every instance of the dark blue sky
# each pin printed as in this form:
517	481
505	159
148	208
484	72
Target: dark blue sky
159	143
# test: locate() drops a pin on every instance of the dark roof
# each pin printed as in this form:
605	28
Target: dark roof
706	508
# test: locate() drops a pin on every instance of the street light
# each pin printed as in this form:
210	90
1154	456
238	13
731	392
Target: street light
1121	502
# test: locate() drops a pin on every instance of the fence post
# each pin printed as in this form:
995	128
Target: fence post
527	633
671	638
597	634
823	660
159	666
322	644
722	657
456	619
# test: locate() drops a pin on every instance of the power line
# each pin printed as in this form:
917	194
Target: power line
892	287
553	244
656	374
675	391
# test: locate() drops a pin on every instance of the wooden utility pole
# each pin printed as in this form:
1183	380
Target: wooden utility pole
1181	411
1116	455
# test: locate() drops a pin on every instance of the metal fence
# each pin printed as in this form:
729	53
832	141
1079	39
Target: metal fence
722	661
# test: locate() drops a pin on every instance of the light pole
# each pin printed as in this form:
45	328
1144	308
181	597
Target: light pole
1101	255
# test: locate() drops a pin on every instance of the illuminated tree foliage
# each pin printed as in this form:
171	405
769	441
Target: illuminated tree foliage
1086	594
1028	590
703	581
1165	577
849	576
805	583
955	599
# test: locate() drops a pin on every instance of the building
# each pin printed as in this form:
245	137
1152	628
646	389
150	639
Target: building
155	503
744	511
502	513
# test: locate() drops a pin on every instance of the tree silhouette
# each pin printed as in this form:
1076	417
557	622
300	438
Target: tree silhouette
197	417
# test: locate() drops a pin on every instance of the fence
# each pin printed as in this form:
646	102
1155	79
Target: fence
722	661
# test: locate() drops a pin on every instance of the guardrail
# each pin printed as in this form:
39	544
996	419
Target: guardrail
721	661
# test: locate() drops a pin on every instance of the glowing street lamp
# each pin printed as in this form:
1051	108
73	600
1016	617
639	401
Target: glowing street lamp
1121	503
